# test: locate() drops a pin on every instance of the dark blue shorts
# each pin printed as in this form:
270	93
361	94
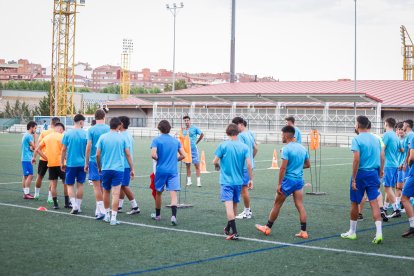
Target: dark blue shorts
408	189
400	176
169	180
366	182
289	186
111	178
230	193
390	176
127	177
75	173
194	155
94	174
246	178
27	168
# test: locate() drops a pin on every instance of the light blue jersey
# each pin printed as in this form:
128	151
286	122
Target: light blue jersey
298	135
112	146
247	138
93	135
232	156
167	149
403	155
296	155
75	142
27	153
194	132
130	144
392	149
369	148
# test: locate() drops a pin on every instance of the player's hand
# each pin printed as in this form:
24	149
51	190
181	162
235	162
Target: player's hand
250	185
381	174
63	168
354	187
132	174
404	167
86	168
217	167
279	189
33	161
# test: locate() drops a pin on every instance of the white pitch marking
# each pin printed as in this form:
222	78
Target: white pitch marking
7	183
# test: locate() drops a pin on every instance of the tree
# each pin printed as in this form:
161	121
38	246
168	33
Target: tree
91	109
180	84
43	108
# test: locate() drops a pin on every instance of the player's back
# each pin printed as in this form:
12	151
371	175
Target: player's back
232	156
53	145
369	148
93	134
75	141
112	146
392	146
27	153
130	144
298	135
296	154
247	138
167	148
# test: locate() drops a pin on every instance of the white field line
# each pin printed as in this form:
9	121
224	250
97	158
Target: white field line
330	158
372	254
8	183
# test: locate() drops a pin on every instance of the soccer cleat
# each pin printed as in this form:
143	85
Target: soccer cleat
349	236
377	239
395	214
408	233
36	197
264	229
234	237
360	217
173	220
226	231
100	216
74	212
90	182
133	211
189	183
402	211
107	218
28	196
55	207
155	217
384	216
199	184
302	235
120	210
114	222
244	215
50	201
68	206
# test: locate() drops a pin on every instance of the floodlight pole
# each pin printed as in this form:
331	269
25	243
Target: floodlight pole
173	11
355	55
233	42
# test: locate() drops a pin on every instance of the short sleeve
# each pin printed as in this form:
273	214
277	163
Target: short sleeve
65	140
412	143
98	144
355	145
246	152
31	139
198	131
219	151
179	145
89	135
285	153
385	139
154	143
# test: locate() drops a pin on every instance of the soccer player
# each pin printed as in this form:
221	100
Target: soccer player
290	121
408	191
125	190
74	147
52	146
402	156
365	177
164	150
42	166
231	157
28	145
196	135
111	150
246	138
295	158
392	149
408	129
90	160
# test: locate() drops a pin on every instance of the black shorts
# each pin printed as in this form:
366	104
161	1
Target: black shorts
42	168
55	173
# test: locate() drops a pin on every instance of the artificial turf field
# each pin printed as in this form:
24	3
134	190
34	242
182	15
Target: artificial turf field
55	242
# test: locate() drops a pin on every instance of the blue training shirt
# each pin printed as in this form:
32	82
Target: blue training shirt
130	144
247	138
93	135
112	146
403	155
167	148
232	156
27	153
369	148
296	154
75	141
193	132
392	149
298	135
411	171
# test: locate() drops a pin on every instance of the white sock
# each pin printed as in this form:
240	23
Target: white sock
353	226
188	179
198	180
37	191
386	205
49	196
113	217
79	203
411	220
96	209
247	210
121	202
26	191
108	212
101	207
378	225
398	200
74	205
134	203
394	207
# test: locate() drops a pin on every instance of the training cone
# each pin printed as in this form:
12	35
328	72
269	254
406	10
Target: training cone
41	208
274	166
203	167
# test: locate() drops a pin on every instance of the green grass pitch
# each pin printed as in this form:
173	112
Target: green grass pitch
45	243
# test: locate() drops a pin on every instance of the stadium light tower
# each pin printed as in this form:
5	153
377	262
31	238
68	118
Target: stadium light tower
174	10
125	75
62	77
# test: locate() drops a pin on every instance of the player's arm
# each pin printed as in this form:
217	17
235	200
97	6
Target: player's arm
130	162
382	156
411	157
355	166
282	173
255	149
200	138
39	151
181	154
216	163
250	171
154	154
62	158
307	164
98	158
87	155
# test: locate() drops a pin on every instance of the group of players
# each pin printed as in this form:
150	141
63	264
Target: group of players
105	152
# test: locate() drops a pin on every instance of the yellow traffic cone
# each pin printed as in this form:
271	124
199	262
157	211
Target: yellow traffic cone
274	166
203	167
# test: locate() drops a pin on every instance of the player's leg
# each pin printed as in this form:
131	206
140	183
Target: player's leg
380	202
80	178
230	195
174	202
298	199
196	162
106	195
274	213
247	213
188	168
125	183
53	190
121	200
131	197
408	192
160	181
27	179
390	182
355	197
115	202
41	171
361	208
70	186
173	185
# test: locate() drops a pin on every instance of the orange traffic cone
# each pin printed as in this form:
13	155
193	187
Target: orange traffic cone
203	167
274	166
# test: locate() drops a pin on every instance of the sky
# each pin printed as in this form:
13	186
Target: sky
287	39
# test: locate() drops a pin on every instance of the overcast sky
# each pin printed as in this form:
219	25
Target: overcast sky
286	39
